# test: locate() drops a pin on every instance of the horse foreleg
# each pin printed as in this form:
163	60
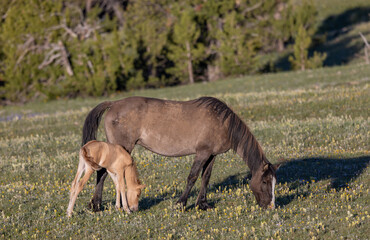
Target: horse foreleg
96	201
199	161
206	175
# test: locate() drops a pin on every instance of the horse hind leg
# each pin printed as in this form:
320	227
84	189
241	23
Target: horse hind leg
80	171
77	187
201	201
96	201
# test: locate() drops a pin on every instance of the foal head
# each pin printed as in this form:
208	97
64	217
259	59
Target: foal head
263	185
133	187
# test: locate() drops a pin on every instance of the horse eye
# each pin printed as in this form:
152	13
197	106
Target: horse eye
264	182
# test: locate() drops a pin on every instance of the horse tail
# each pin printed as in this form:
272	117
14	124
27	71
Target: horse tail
92	121
89	159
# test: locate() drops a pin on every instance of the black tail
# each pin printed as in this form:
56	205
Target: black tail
92	121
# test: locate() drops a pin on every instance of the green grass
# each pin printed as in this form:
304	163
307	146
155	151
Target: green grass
317	121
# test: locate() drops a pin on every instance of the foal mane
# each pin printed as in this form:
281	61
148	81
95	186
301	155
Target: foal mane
238	132
135	175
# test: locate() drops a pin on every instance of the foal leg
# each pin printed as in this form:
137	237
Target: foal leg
96	201
122	189
118	192
206	175
80	185
80	170
199	161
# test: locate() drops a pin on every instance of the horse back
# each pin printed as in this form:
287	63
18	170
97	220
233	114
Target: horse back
171	128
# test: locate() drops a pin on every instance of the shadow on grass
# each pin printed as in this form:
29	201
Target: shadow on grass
297	173
345	19
333	38
340	171
300	172
233	182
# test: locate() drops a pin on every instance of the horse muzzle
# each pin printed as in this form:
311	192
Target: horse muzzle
134	208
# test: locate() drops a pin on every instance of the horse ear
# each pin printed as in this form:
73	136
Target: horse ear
265	167
276	166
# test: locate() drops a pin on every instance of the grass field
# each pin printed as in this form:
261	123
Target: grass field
317	121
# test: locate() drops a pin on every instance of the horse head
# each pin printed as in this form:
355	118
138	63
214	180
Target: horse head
133	195
263	185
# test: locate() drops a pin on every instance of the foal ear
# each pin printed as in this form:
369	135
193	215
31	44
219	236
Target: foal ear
141	186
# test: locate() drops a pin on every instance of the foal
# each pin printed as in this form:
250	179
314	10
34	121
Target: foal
96	155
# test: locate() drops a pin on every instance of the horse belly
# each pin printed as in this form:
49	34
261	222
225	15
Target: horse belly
167	144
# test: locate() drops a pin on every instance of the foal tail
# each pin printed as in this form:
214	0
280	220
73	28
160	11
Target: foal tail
92	121
89	159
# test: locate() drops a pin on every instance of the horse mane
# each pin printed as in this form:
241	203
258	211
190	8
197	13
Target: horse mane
238	132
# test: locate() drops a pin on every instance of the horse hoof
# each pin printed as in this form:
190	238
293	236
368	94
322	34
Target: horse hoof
94	207
179	205
203	206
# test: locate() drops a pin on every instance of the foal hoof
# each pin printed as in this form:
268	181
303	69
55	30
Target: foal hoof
127	210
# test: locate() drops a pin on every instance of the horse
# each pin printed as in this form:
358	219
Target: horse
96	155
205	127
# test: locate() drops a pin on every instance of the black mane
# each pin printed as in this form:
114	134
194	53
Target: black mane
238	132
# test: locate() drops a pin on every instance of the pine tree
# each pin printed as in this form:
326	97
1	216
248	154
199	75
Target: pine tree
281	31
146	32
185	51
302	42
22	36
237	51
302	27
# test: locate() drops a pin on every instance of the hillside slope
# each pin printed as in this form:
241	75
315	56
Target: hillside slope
317	121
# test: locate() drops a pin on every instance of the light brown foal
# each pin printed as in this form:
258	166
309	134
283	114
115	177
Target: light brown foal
96	155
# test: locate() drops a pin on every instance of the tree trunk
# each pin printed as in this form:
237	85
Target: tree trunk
303	58
190	63
88	5
281	45
367	48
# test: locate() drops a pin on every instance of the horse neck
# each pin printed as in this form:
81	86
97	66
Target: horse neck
251	152
131	176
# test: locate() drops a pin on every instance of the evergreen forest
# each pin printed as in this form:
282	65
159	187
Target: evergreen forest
68	48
